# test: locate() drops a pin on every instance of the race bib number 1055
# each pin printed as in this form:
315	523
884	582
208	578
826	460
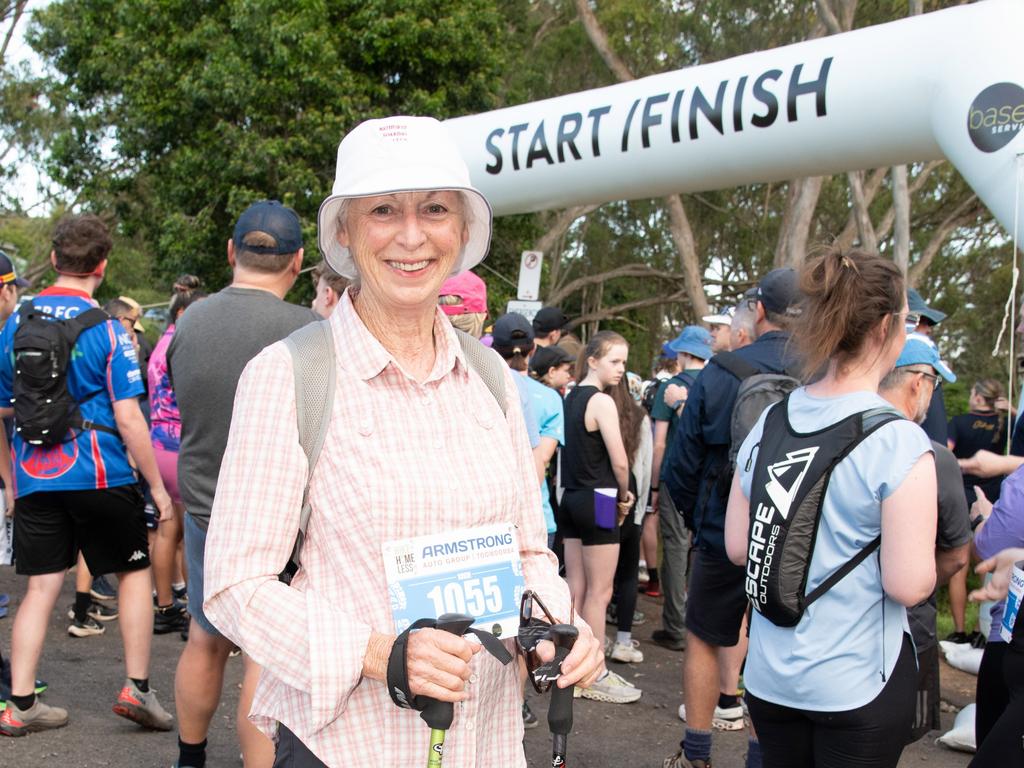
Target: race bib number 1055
475	571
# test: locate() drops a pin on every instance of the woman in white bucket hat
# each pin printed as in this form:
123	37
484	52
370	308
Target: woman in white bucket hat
418	446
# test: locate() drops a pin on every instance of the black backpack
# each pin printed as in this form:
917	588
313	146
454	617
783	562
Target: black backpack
45	413
787	494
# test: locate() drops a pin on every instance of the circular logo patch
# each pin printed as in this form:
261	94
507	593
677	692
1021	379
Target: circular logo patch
996	116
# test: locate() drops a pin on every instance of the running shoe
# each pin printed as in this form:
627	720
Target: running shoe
612	688
666	640
642	574
627	654
611	616
529	719
142	708
678	760
180	593
102	589
85	628
38	717
97	611
173	618
724	718
960	638
651	589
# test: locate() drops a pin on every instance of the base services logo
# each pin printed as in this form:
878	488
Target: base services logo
996	116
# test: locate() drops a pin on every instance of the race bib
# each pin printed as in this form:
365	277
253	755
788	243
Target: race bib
475	571
1014	598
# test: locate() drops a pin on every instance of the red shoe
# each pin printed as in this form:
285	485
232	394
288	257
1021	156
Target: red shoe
651	589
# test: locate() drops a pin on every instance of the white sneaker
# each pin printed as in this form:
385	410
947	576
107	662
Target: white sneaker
642	574
627	654
612	689
724	719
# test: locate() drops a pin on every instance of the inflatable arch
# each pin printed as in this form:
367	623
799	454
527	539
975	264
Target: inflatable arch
946	84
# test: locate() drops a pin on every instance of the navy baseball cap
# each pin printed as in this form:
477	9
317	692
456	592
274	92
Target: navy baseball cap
512	330
919	352
779	292
549	319
693	340
8	274
274	219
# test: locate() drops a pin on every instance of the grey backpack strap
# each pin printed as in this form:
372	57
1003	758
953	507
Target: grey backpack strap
486	364
313	362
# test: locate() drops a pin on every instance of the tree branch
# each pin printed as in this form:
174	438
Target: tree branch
962	214
19	9
795	230
859	202
901	217
828	17
626	270
610	312
563	221
600	42
682	236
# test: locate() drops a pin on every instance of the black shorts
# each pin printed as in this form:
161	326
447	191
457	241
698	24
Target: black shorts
717	599
927	716
576	519
108	525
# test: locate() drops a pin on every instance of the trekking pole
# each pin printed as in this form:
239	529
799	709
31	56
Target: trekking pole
439	714
560	709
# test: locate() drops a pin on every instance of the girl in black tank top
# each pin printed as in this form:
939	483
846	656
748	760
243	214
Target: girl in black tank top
594	458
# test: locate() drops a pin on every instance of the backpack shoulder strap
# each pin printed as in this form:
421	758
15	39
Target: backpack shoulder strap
487	366
313	363
870	421
735	365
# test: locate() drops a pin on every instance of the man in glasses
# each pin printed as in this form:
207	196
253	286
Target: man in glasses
909	388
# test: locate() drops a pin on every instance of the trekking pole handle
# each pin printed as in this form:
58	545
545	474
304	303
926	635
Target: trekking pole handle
560	709
439	714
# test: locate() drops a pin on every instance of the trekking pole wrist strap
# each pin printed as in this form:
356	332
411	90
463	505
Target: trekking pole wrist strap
397	677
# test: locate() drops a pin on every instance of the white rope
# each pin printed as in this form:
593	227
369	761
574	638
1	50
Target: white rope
1010	311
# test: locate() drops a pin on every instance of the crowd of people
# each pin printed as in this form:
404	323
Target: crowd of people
783	479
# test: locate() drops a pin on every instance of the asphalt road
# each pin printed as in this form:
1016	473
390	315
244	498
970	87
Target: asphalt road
85	675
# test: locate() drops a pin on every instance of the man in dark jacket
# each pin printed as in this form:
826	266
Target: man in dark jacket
697	474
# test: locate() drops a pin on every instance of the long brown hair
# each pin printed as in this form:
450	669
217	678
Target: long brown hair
631	417
847	294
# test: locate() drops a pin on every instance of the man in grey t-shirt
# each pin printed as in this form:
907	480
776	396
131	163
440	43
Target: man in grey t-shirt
909	387
212	344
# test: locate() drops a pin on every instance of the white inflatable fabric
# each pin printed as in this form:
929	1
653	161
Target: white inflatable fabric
948	83
961	736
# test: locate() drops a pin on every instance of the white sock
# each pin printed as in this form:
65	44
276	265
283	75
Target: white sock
623	638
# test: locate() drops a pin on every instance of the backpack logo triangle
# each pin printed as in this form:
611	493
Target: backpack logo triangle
785	477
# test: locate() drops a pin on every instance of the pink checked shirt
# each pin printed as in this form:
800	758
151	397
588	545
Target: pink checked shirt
401	459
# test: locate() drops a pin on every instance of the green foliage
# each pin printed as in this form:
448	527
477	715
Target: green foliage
181	113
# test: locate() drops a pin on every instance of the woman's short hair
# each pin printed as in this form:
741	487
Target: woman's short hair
846	295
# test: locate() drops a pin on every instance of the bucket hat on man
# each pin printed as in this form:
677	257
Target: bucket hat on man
401	154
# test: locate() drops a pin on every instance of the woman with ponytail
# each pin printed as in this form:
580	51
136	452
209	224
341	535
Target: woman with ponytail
165	434
837	688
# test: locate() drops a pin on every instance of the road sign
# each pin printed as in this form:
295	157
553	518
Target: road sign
525	308
529	276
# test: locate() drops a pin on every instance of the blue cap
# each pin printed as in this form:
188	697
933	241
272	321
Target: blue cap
694	340
918	352
667	351
274	219
918	306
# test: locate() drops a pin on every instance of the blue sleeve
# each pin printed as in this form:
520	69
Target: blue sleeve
553	419
7	360
893	451
529	415
681	467
124	379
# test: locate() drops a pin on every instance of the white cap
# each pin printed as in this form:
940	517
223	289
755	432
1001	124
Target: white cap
401	154
717	319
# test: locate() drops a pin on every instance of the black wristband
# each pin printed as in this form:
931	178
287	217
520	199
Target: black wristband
398	672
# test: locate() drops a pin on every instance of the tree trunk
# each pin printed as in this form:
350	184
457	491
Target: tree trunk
901	218
797	219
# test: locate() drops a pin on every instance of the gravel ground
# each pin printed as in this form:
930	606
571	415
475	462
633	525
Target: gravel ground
85	675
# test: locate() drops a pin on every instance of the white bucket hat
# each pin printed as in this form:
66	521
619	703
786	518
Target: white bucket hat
401	154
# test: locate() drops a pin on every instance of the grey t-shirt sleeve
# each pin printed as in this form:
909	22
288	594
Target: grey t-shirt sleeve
954	528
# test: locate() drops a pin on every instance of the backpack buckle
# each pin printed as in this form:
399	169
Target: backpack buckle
87	424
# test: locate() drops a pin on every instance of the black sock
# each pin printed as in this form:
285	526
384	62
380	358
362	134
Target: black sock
141	683
191	755
23	702
652	573
725	701
83	601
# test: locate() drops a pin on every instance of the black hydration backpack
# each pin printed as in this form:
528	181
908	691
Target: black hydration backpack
787	493
45	413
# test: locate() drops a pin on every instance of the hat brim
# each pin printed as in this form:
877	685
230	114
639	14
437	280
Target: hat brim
944	372
697	350
717	319
139	327
934	315
340	258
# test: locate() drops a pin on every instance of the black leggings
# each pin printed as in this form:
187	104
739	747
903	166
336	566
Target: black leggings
292	753
626	574
871	736
1003	744
991	694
